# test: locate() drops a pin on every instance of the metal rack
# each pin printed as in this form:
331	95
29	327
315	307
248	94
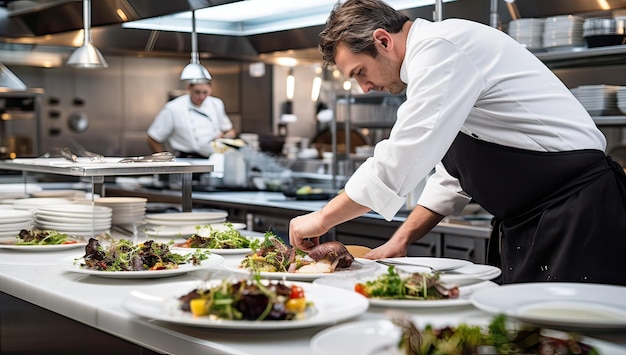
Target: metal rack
97	172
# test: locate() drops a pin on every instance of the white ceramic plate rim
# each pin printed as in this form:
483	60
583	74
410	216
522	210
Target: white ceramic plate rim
69	264
17	225
122	200
5	243
513	299
332	306
19	215
76	208
40	201
184	222
360	266
179	216
437	263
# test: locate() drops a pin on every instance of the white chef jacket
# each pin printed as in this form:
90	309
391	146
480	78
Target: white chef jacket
189	128
468	77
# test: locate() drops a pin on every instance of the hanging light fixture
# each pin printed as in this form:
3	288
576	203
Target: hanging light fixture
9	80
194	72
87	56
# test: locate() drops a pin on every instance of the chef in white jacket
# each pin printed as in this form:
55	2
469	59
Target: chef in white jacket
498	126
190	123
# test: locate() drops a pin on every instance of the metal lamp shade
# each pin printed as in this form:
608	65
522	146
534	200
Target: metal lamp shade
87	56
195	73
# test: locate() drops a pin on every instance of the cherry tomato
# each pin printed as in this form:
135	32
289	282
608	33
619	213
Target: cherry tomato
360	288
296	292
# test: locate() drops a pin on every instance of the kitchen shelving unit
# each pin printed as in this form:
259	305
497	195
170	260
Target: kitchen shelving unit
97	171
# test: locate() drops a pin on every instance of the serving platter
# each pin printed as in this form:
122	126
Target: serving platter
72	264
160	302
358	267
565	306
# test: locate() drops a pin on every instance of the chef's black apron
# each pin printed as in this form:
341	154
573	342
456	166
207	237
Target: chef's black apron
559	216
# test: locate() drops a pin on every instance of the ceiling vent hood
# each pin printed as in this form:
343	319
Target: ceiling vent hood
56	24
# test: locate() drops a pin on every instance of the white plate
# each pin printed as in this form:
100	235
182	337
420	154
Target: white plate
437	263
121	200
225	251
358	267
69	228
182	223
5	227
75	209
572	306
370	337
381	337
9	243
473	271
187	216
70	220
332	305
182	232
348	283
12	216
72	264
27	203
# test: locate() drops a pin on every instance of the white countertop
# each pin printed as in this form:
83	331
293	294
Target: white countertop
39	278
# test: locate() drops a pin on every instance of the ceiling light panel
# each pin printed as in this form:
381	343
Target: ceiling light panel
250	17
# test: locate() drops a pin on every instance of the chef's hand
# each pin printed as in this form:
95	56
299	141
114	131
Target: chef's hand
305	231
391	249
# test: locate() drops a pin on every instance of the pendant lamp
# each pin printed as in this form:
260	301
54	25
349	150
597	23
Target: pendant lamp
87	56
9	80
194	72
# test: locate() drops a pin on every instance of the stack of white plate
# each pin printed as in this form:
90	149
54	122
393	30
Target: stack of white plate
35	202
126	210
621	99
67	194
563	32
75	219
185	219
528	32
13	221
598	100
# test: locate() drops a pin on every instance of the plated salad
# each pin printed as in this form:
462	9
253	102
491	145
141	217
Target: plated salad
273	255
248	300
413	286
123	255
44	237
498	338
229	238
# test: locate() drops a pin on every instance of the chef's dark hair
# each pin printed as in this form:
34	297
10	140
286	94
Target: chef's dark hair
354	23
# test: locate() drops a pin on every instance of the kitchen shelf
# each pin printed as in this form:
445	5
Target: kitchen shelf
610	120
583	57
60	166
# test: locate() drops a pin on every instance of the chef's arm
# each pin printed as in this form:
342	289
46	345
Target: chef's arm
155	146
417	225
231	133
305	230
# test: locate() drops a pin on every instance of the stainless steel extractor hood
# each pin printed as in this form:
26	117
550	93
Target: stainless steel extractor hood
55	24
